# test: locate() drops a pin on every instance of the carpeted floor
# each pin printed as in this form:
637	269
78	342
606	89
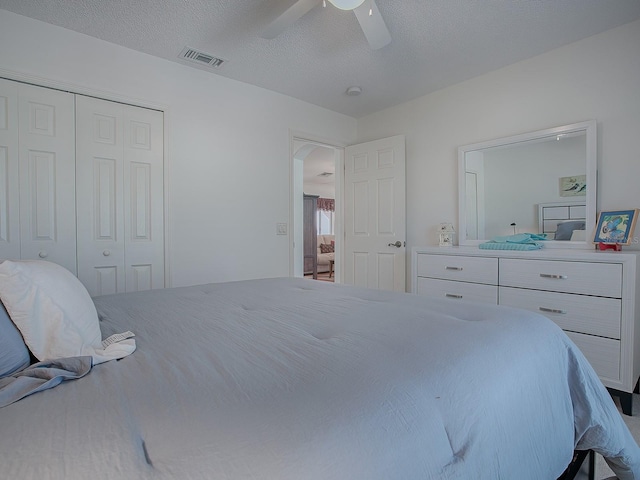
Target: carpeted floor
324	277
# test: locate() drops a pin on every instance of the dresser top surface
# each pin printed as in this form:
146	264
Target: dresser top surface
571	254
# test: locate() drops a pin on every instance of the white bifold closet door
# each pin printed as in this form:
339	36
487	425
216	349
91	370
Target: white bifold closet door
37	174
119	189
9	179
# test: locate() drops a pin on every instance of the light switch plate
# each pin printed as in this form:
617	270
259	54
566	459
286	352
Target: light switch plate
281	228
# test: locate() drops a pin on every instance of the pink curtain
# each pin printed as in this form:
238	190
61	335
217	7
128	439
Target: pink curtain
327	204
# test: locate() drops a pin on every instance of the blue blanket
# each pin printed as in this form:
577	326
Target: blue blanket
520	241
41	376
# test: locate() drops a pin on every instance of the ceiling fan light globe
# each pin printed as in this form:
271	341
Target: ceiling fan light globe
346	4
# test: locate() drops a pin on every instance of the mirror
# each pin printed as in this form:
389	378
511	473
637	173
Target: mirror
530	183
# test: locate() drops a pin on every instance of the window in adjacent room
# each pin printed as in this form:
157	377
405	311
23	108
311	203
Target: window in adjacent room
325	222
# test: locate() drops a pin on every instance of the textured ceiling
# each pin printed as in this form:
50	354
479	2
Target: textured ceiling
435	43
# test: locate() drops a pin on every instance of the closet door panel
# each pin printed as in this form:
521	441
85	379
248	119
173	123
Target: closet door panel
120	197
99	169
42	176
143	199
9	180
47	175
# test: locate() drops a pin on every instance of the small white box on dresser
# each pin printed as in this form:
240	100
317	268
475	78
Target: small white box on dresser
591	295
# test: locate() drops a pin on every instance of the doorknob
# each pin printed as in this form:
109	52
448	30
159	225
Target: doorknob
398	244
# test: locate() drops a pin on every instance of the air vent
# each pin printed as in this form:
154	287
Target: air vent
200	58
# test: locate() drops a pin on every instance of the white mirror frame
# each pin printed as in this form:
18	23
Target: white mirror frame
589	127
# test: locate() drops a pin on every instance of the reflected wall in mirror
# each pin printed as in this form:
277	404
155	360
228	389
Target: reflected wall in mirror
505	183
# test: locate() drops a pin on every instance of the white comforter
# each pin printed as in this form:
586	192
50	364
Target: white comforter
292	379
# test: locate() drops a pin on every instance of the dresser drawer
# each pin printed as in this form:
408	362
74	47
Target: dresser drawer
471	292
459	268
577	313
601	279
603	354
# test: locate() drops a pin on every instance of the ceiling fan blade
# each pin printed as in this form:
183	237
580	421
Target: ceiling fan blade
373	25
288	18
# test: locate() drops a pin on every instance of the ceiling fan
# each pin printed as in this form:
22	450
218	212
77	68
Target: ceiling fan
366	11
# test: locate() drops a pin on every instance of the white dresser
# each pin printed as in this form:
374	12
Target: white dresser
591	295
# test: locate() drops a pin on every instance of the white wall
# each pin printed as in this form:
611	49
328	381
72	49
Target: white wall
596	78
228	144
319	160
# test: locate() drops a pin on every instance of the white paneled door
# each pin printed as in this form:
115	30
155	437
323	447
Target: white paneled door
100	210
374	210
120	196
9	180
46	128
144	198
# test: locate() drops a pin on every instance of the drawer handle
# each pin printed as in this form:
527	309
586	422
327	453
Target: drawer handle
457	269
549	275
451	295
552	310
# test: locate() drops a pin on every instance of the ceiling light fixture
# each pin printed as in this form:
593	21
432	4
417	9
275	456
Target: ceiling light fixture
354	91
346	4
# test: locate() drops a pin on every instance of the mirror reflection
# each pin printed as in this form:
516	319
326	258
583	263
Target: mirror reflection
533	183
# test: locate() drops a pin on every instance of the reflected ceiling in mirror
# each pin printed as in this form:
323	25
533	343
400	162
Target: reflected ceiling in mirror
530	183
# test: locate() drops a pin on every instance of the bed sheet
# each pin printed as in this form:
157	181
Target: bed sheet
295	379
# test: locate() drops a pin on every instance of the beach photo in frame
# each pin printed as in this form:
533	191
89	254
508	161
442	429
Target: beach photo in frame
616	226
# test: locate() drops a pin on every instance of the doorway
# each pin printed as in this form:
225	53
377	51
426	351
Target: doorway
316	170
368	207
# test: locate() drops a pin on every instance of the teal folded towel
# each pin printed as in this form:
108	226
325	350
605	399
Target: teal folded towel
521	238
520	241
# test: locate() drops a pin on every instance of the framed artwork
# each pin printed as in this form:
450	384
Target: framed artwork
573	186
616	226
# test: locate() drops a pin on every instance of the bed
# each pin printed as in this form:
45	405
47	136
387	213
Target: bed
297	379
563	220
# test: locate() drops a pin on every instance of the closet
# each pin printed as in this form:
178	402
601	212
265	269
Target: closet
37	174
81	184
119	191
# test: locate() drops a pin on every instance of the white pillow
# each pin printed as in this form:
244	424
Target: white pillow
51	308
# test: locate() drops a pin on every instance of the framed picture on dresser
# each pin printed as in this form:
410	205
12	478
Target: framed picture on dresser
616	226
